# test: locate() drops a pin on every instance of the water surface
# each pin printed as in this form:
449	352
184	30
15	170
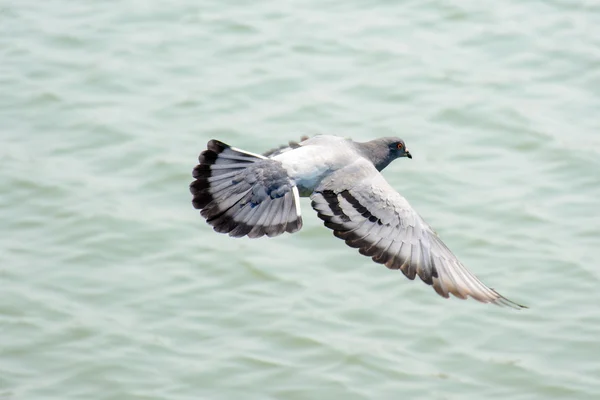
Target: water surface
113	287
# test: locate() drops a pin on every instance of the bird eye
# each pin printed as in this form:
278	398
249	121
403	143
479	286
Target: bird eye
399	145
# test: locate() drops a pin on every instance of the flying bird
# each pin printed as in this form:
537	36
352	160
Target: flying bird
247	194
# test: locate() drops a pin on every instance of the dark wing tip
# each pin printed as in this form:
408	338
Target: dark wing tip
329	209
502	301
216	145
294	225
208	157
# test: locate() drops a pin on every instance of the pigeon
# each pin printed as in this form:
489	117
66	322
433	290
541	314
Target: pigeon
246	194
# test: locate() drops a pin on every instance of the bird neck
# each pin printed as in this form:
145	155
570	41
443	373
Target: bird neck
376	153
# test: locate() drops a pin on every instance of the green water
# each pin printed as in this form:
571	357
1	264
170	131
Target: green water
113	287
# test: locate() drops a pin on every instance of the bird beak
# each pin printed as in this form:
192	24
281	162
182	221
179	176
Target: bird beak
407	153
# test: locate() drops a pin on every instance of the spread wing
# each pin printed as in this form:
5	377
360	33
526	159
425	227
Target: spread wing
242	193
370	215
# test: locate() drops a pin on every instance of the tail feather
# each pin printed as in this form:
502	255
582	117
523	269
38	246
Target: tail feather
243	193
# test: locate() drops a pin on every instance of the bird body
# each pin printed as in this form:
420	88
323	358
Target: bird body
309	164
246	194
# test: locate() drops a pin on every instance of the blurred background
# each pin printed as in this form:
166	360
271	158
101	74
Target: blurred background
113	287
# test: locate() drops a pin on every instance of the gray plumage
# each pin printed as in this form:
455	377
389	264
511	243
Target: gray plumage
242	193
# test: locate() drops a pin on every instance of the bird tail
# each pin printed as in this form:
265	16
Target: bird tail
242	193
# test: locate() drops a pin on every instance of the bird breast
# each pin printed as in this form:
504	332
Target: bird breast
308	165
